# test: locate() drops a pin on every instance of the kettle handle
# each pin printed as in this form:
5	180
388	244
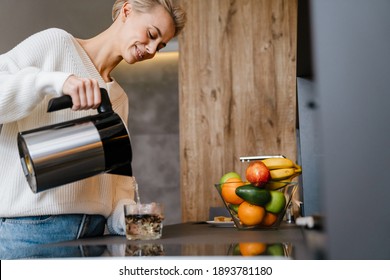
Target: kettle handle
65	102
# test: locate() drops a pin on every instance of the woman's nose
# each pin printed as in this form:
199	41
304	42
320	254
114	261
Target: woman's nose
151	48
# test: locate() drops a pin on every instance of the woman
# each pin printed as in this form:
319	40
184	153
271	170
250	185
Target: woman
52	63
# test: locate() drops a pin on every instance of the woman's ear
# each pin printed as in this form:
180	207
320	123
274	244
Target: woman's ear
126	10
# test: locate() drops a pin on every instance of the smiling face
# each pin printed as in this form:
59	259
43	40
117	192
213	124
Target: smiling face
143	34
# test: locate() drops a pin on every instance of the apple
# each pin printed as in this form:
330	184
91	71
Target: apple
257	173
229	175
226	177
277	202
275	250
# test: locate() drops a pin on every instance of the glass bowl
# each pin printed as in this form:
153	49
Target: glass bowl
286	187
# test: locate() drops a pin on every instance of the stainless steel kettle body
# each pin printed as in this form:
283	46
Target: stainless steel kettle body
63	153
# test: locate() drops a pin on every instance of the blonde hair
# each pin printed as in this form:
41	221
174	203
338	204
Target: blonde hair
143	6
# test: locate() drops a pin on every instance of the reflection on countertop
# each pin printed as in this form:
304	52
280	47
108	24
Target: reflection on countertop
196	239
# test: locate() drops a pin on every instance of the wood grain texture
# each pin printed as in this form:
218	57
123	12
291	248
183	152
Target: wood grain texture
237	91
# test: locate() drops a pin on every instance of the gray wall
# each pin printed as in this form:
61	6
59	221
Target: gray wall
152	88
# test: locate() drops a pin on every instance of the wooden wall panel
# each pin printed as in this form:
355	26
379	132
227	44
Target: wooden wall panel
237	91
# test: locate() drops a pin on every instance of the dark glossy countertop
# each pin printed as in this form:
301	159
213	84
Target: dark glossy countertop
196	239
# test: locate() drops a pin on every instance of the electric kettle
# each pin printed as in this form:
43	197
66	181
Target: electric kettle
63	153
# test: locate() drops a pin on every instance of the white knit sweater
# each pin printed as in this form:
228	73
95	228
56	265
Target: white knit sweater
30	75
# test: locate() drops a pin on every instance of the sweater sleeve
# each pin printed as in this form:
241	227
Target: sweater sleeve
21	92
27	74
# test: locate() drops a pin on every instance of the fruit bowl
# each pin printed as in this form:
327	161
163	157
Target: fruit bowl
261	207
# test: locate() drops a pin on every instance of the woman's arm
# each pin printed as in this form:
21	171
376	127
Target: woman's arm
21	90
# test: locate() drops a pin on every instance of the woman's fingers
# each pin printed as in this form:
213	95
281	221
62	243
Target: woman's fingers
97	96
85	93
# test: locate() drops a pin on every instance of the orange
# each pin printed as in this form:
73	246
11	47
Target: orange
252	248
269	219
250	214
229	190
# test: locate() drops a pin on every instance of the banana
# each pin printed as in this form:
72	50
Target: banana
298	169
278	163
275	185
281	173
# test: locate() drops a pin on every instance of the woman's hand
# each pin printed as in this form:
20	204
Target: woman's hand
85	93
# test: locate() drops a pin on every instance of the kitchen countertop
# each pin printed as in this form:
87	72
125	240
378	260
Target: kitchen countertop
196	239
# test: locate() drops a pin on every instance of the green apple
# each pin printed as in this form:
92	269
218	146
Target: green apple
277	202
229	175
226	177
275	249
